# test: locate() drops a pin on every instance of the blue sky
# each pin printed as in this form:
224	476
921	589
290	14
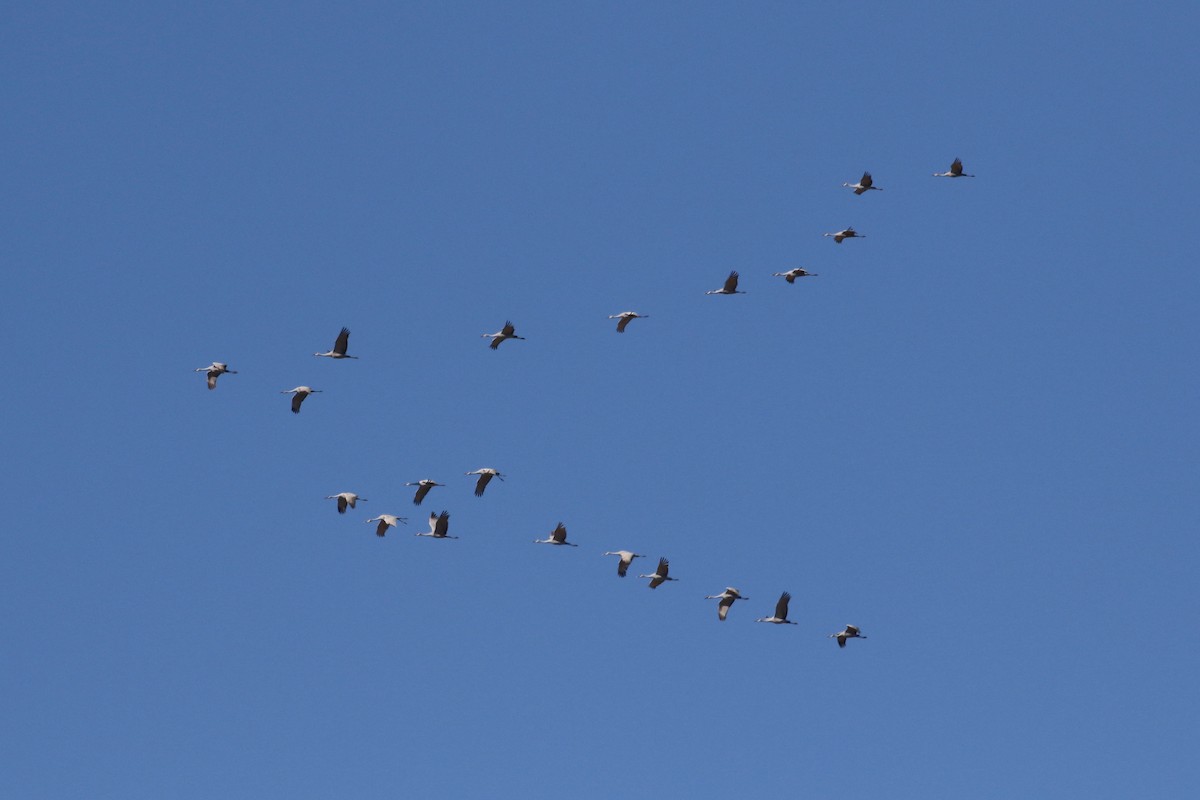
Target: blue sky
973	435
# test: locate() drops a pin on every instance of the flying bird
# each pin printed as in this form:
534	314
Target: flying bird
557	536
780	617
730	286
660	576
865	183
624	317
386	521
485	476
507	332
339	346
298	395
439	524
346	499
214	371
956	171
423	487
848	233
851	632
627	558
726	597
791	275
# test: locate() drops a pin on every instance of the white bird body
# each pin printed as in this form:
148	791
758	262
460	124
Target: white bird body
423	487
660	575
298	395
485	476
851	632
214	371
730	286
791	275
345	499
955	171
387	521
781	612
507	332
439	525
627	557
624	318
848	233
339	346
865	184
557	536
726	597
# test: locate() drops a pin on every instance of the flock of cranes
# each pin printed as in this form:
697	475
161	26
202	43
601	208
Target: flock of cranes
439	524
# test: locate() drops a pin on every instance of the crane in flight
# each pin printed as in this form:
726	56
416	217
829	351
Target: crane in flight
339	346
214	371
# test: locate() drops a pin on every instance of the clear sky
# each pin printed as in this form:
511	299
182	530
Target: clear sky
974	434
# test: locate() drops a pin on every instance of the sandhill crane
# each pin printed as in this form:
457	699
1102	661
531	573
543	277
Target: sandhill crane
439	524
624	317
726	597
865	183
387	521
848	233
730	286
298	395
507	332
780	617
851	632
423	487
215	370
339	346
485	476
345	499
627	557
791	275
956	171
557	536
660	575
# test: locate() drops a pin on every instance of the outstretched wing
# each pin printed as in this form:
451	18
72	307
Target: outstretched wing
297	399
956	168
559	534
422	490
342	343
781	608
382	529
723	607
212	378
790	277
623	566
731	282
508	329
442	526
482	483
621	323
341	504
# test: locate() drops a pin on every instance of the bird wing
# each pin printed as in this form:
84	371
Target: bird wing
623	565
482	483
508	329
956	168
383	526
841	637
343	342
781	608
297	399
621	323
559	535
790	277
664	568
866	180
837	238
852	630
212	378
422	490
341	504
731	282
496	340
442	526
723	607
